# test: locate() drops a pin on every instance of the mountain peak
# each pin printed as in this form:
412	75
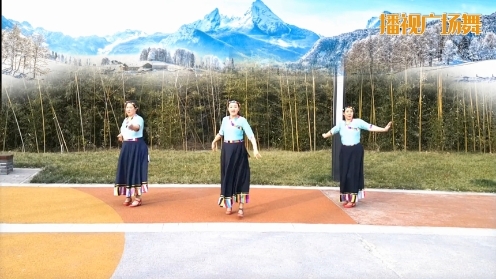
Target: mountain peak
210	22
265	20
374	22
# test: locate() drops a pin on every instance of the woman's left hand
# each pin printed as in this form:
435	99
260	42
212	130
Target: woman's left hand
257	154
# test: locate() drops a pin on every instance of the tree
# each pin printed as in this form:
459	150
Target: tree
463	47
449	51
474	50
152	54
12	49
488	49
144	55
39	52
105	61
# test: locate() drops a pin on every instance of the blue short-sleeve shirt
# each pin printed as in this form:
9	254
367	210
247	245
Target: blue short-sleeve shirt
130	134
232	129
350	133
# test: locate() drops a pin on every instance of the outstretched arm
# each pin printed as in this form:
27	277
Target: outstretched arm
327	135
374	128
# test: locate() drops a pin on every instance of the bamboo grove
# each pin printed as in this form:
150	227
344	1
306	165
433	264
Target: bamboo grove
81	108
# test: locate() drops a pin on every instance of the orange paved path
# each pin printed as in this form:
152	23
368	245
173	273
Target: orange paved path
267	205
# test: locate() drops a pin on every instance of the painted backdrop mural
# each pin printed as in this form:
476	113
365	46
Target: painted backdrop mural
427	67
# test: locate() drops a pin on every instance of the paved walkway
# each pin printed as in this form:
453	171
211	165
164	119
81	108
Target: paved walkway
83	231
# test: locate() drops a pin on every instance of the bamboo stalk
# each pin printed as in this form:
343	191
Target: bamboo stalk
5	130
372	104
57	125
246	101
179	110
162	110
42	117
483	123
186	115
246	95
314	113
392	108
465	123
308	114
123	88
489	124
458	118
478	116
105	112
94	110
34	125
290	113
268	108
213	102
420	112
283	114
472	117
440	111
405	113
360	99
296	115
80	113
17	122
198	90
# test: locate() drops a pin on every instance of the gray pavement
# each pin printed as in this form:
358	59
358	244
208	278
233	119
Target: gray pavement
250	255
19	176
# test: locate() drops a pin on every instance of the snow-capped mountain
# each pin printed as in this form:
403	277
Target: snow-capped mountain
257	33
330	49
375	22
59	42
257	21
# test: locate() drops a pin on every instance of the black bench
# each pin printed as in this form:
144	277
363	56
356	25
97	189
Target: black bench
6	163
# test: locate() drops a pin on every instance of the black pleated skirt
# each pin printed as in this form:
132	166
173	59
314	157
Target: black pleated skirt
351	181
235	174
132	169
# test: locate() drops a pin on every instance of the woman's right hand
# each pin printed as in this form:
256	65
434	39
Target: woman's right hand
214	146
119	137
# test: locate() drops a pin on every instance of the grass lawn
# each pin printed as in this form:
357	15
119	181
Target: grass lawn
391	170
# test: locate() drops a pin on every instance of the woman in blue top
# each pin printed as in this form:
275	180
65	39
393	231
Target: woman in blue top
132	167
351	182
235	170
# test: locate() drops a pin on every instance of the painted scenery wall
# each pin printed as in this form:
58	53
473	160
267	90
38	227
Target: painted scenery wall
66	94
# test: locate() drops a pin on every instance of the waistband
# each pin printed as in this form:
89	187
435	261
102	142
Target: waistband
133	139
351	144
233	141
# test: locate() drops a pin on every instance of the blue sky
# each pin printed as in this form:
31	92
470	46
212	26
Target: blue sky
325	17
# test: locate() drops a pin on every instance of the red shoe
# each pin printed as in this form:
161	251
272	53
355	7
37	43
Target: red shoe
136	202
127	202
350	205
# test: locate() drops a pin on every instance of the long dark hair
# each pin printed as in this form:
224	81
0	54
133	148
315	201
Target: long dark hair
139	111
